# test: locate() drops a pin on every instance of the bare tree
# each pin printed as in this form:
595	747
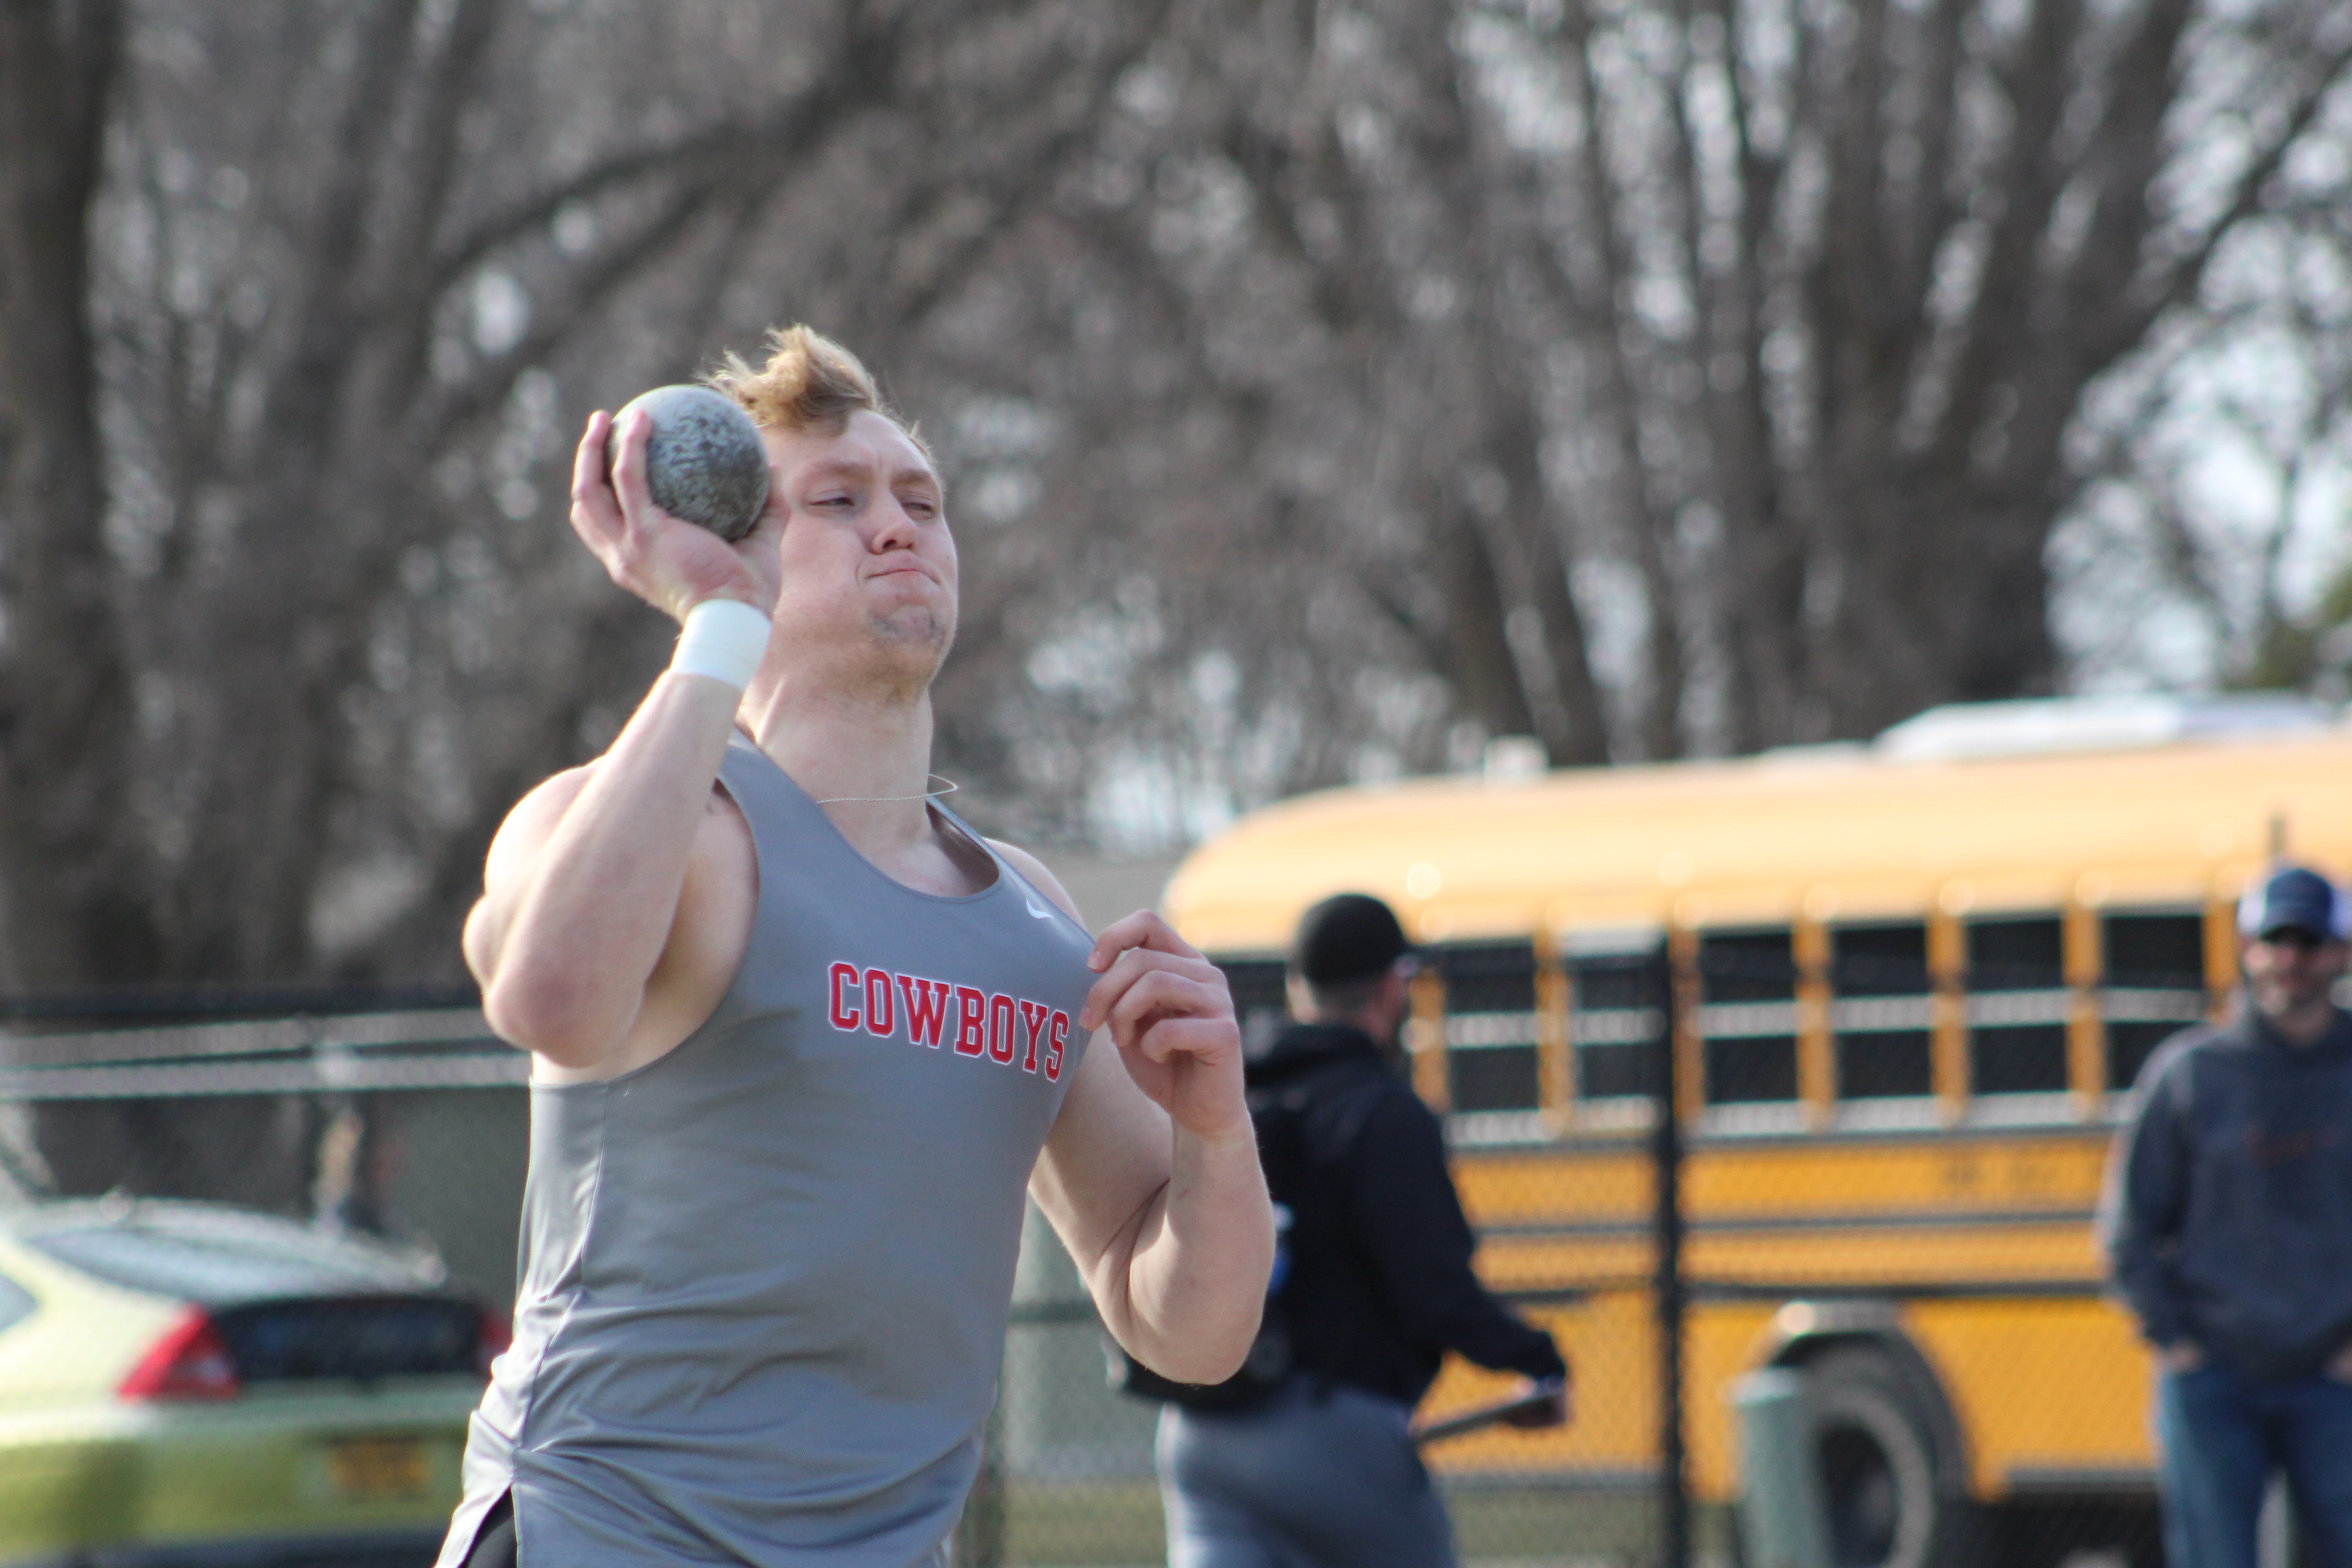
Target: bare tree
1873	258
71	899
347	324
2208	544
292	616
1327	389
1642	377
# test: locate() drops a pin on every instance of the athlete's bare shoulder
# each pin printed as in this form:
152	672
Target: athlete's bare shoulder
708	930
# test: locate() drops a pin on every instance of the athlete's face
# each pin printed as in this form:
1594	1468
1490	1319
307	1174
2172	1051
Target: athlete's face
868	560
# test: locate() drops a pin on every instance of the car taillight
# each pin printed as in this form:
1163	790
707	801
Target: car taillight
190	1362
494	1337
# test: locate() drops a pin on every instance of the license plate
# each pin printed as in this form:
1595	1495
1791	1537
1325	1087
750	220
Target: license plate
378	1470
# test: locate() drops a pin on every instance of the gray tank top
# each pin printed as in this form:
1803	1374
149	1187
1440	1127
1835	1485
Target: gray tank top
764	1279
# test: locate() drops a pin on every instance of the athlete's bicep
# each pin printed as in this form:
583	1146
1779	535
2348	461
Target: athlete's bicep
1101	1179
1102	1176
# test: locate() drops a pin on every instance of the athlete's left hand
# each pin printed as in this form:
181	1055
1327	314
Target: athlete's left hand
1171	1016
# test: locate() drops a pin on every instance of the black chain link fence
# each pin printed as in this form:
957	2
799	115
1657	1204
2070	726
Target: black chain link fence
1881	1176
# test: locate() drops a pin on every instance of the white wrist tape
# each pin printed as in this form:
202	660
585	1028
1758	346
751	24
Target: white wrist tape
724	639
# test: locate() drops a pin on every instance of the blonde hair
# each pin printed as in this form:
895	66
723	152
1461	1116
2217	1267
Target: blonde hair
810	383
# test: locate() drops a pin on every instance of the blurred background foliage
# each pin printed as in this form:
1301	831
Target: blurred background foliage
1325	388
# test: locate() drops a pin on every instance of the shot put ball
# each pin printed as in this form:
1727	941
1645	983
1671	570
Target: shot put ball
705	463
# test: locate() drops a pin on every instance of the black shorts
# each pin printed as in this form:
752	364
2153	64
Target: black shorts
494	1537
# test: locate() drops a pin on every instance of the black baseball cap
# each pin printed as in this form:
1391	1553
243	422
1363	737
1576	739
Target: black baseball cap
2293	898
1348	936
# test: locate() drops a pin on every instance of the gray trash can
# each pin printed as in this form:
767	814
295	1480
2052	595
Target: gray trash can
1783	1521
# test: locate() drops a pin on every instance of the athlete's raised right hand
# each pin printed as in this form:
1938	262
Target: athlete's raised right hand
670	564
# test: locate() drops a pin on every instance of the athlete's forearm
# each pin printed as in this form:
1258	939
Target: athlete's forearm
1196	1275
564	942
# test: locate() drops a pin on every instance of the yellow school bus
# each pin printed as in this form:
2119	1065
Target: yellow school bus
1911	984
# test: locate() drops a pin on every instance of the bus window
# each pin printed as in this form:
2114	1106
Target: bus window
1614	1024
1259	1001
1748	990
2154	986
2018	1003
1490	1025
1878	975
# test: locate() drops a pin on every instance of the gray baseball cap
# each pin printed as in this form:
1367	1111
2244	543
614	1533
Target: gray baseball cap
2295	898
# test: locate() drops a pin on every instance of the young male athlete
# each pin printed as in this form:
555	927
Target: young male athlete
802	1041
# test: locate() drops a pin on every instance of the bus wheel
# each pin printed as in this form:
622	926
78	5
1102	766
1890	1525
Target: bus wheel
1893	1496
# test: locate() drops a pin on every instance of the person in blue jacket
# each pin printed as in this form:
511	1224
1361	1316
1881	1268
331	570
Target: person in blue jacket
1376	1285
2227	1226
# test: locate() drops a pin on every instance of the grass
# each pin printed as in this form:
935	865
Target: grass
1117	1524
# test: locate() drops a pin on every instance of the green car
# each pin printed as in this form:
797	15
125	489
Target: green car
189	1383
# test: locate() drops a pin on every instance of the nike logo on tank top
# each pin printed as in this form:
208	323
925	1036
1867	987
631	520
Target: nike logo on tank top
764	1279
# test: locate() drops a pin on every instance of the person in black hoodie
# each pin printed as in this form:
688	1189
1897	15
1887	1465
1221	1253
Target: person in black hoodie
1374	1286
2228	1225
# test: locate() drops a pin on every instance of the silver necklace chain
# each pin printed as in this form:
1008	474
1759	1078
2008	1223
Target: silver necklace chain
894	799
